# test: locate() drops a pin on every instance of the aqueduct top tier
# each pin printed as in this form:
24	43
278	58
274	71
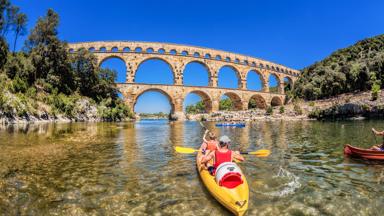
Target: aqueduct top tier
178	56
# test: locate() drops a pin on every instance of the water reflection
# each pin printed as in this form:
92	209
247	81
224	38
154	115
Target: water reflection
131	168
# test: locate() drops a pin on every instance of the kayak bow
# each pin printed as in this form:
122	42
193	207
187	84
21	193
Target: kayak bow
234	199
363	153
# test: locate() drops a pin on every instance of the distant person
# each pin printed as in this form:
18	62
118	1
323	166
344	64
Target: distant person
221	155
379	147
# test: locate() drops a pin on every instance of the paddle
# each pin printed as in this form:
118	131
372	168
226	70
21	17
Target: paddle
202	125
258	153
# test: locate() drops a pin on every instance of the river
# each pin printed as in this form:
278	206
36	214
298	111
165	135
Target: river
132	169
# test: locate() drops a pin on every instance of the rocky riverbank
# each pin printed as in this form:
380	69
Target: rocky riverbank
346	106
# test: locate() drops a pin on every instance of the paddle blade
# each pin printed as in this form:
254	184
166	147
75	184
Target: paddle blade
185	150
261	153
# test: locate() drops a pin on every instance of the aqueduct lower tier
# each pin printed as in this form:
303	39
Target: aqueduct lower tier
210	96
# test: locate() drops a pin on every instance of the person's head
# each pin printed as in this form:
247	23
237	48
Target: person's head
211	136
224	142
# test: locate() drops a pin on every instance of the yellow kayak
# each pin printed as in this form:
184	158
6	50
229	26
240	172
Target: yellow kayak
234	199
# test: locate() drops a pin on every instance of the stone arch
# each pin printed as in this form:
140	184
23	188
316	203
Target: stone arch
207	101
263	82
166	94
274	89
156	58
288	83
116	63
259	102
209	73
105	58
237	103
276	101
237	73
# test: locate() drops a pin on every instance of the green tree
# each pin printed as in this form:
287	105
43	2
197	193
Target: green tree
49	55
3	52
252	104
20	27
85	71
105	87
195	108
225	104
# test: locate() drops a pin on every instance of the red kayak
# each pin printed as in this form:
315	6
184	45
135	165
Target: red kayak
363	153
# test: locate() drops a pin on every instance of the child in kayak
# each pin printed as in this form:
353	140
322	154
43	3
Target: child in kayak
378	133
221	155
210	144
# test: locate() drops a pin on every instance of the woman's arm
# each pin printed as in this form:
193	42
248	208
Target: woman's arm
208	157
205	134
380	133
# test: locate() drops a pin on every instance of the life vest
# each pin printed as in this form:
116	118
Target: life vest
222	157
211	145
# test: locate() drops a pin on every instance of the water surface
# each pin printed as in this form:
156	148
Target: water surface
132	169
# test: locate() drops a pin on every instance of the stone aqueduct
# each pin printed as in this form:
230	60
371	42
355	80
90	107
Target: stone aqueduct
177	57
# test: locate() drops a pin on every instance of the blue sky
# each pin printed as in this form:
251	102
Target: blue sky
292	33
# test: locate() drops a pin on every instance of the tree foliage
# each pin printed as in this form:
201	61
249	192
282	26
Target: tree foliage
225	104
195	108
355	68
45	67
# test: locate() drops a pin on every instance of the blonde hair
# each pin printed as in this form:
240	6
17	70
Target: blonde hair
212	136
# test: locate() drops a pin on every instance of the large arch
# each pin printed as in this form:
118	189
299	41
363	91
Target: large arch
154	63
193	71
276	101
237	103
255	80
273	83
117	64
257	101
229	72
205	98
166	94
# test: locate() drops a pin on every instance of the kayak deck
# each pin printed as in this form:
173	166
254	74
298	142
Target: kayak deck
363	153
235	199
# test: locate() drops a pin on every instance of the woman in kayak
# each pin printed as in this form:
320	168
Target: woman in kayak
378	133
221	155
209	145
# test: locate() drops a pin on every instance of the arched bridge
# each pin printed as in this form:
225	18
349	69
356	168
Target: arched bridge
177	57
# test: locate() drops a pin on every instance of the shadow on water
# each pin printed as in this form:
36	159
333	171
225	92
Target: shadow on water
131	168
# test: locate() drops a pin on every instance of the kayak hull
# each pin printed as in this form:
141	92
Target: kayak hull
235	199
240	125
363	153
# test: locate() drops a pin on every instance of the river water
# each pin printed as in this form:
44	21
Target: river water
132	169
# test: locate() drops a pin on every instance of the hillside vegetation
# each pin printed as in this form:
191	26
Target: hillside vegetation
357	68
44	81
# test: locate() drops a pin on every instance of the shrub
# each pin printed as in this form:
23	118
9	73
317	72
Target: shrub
282	109
19	85
375	91
312	103
365	107
269	110
315	113
110	110
297	109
